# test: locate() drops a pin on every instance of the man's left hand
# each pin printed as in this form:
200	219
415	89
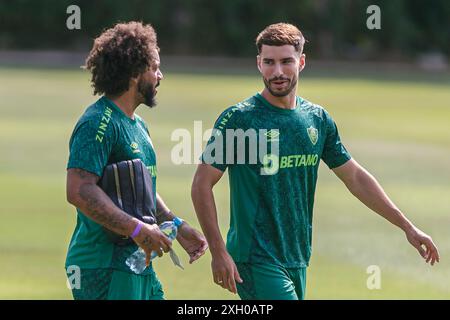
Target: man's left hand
424	244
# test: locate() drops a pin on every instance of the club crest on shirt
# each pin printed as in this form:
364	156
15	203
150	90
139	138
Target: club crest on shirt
313	134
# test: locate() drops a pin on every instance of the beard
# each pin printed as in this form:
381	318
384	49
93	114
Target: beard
148	92
292	85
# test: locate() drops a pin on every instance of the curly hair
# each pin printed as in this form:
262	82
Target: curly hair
280	34
119	54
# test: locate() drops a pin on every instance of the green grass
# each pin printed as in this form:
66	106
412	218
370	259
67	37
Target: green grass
399	130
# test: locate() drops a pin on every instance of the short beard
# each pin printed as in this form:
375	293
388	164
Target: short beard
282	93
147	90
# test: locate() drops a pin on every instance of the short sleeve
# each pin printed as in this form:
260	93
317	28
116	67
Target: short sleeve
220	152
334	152
90	146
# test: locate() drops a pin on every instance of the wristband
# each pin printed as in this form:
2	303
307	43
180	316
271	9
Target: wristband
137	229
177	221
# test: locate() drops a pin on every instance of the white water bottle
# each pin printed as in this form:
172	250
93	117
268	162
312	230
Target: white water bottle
136	261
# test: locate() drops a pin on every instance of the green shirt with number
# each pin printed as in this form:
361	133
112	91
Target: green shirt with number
272	198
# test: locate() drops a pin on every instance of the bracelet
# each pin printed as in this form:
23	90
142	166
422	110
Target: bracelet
178	221
137	229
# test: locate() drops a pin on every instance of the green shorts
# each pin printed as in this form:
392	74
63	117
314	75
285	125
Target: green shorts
111	284
271	282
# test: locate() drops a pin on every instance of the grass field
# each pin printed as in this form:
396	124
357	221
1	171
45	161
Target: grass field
399	130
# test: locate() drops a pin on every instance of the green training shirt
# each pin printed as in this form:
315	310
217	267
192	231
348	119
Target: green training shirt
103	135
272	198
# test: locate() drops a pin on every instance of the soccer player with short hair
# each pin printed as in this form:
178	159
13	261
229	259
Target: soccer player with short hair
125	67
271	200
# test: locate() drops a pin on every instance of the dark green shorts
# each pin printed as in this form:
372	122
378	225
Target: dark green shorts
271	282
111	284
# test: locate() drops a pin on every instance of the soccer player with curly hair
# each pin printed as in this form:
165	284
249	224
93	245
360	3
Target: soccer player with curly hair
125	67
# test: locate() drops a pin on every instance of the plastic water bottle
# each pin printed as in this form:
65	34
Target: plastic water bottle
136	261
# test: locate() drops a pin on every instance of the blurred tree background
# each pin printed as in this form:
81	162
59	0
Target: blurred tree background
336	29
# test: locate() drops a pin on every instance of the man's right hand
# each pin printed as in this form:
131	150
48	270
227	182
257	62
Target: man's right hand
224	271
151	238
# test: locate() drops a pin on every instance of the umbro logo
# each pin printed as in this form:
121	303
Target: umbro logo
272	135
135	147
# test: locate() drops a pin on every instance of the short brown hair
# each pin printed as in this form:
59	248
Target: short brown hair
280	34
119	54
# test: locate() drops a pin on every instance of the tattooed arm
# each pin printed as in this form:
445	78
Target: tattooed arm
84	193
